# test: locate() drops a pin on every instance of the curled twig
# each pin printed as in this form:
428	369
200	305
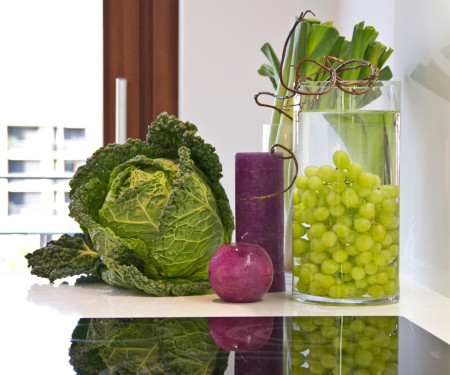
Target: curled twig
272	106
291	156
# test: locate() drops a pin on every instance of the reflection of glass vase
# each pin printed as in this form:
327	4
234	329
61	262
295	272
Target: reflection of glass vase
345	206
344	345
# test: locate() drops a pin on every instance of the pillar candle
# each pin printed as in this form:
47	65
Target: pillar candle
260	221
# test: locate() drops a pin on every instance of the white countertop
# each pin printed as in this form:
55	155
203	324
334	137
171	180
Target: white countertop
26	296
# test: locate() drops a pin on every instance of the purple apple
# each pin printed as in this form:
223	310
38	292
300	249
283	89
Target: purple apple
240	334
240	272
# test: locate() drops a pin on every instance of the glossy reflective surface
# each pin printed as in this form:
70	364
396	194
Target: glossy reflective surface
251	345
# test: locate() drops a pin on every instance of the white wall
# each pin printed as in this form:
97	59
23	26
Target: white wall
422	30
220	55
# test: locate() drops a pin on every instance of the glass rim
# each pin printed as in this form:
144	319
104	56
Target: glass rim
350	87
354	83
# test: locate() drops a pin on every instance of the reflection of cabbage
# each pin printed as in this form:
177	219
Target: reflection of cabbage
145	346
153	214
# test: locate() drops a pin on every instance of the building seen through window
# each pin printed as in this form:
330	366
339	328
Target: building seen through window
38	163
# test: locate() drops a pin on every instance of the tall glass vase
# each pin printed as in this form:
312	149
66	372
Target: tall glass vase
345	205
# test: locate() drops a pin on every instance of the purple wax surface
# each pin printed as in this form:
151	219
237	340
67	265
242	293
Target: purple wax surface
261	221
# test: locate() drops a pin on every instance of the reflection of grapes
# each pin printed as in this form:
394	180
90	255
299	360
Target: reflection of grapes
345	232
345	345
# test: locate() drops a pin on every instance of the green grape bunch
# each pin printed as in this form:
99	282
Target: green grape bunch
335	345
345	232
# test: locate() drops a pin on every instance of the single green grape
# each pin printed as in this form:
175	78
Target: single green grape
306	275
298	230
326	281
327	173
301	182
321	213
379	259
363	258
389	206
368	180
329	266
315	183
309	198
316	230
375	196
299	246
390	221
333	198
350	198
387	241
367	210
329	331
341	229
315	288
357	325
340	256
382	278
378	232
328	238
297	214
296	197
361	191
362	225
311	171
341	159
364	242
358	273
370	268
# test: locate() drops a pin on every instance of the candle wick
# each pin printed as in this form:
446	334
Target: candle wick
242	237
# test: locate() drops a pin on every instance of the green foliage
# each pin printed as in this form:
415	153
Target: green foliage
154	211
145	346
67	256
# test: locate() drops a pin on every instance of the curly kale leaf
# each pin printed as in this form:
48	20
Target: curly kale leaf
67	256
167	134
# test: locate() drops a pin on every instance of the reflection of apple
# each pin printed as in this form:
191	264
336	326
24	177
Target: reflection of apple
240	272
240	333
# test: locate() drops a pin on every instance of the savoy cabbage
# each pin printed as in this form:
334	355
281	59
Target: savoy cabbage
145	346
152	214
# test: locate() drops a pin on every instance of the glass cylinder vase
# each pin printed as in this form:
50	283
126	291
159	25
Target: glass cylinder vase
345	204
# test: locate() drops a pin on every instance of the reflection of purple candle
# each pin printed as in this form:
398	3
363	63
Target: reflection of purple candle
261	221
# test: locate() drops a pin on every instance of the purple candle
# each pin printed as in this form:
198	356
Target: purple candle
260	221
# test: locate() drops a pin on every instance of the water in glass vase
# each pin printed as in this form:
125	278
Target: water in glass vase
345	207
